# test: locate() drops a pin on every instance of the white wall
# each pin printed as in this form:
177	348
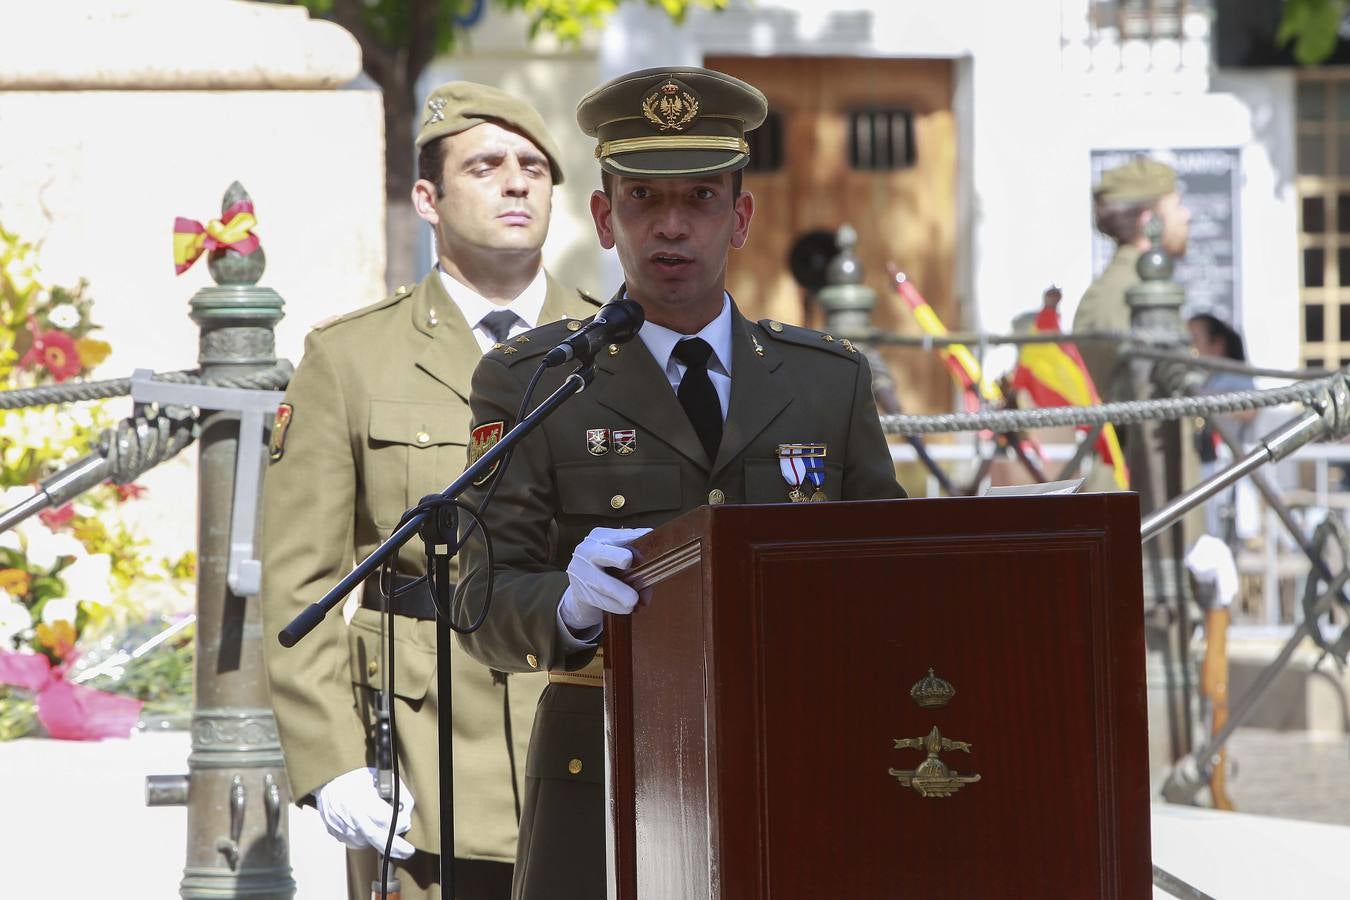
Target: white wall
101	152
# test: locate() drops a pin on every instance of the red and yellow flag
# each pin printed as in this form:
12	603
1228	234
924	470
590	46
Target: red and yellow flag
963	365
1055	375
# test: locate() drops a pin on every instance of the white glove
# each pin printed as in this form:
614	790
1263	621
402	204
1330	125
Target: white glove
1211	562
592	591
353	812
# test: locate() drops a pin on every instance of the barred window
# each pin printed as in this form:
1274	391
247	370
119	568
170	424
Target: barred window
1323	116
881	140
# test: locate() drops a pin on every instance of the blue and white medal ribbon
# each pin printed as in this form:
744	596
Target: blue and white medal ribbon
803	468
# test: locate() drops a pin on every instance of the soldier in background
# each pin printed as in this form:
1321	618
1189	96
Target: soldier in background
375	418
701	407
1126	199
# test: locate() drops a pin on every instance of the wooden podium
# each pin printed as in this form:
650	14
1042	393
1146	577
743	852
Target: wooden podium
755	701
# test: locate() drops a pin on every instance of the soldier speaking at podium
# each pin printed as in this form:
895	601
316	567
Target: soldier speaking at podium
376	417
703	406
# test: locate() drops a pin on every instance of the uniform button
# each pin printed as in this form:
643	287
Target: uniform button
574	766
573	324
617	501
716	497
532	660
372	668
613	349
423	437
776	326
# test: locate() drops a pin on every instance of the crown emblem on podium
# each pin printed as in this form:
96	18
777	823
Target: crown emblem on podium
931	691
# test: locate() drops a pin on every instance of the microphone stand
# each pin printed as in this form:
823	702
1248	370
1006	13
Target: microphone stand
440	535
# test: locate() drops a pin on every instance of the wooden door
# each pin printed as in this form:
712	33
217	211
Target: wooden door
904	213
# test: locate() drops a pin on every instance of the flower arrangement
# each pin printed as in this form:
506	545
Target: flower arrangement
78	585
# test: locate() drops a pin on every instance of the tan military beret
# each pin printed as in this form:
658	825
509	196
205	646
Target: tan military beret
672	122
460	105
1140	179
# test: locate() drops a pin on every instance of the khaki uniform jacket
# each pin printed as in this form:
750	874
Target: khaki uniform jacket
788	385
1103	308
380	418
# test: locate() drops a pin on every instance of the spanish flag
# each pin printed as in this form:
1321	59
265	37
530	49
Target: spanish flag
963	365
1055	375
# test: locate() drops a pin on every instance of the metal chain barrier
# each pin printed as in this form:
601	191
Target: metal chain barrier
275	378
1120	413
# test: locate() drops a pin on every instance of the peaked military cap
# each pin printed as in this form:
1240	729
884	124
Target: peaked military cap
1139	179
672	122
460	105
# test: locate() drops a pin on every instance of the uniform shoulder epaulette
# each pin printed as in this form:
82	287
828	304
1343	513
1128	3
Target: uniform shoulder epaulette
533	343
588	298
805	337
402	293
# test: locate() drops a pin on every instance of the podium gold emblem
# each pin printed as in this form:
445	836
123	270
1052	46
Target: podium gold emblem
933	777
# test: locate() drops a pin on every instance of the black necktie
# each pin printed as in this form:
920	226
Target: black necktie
498	324
697	394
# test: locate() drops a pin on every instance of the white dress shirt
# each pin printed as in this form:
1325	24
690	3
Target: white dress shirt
661	343
528	306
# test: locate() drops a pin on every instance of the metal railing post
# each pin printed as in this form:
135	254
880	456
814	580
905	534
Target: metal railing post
236	790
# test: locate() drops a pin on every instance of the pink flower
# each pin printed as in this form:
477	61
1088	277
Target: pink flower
55	518
54	350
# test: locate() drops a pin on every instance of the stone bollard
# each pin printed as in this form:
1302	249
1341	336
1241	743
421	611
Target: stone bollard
1163	465
236	790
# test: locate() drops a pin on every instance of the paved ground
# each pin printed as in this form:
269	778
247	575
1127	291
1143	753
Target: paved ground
1287	774
84	804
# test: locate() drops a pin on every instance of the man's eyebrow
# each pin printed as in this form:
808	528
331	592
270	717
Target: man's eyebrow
488	156
496	156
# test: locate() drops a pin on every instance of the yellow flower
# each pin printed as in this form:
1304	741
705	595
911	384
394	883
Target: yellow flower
58	637
14	581
91	351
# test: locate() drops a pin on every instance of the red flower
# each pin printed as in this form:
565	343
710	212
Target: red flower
55	350
55	518
130	491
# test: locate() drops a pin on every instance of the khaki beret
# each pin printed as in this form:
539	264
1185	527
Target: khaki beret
460	105
1140	179
672	122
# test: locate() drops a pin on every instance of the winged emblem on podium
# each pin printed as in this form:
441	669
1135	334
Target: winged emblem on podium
933	777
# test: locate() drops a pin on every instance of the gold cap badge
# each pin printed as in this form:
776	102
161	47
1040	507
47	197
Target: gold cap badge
671	107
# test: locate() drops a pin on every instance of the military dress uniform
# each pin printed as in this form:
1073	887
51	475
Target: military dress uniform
788	385
376	416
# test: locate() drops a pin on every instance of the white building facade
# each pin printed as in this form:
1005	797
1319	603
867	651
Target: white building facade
1038	89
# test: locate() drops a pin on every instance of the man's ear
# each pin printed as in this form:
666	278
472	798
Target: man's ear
601	211
424	201
743	209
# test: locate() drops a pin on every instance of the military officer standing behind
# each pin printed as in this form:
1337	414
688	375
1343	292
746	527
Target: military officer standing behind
1126	199
701	407
376	417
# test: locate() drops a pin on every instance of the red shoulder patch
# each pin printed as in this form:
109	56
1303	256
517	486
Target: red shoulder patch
481	440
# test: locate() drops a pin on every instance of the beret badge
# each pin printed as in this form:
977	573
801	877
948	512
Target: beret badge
435	111
671	107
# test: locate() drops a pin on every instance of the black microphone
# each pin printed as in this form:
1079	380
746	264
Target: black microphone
616	322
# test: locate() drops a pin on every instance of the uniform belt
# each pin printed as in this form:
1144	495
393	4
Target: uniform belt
415	602
593	675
